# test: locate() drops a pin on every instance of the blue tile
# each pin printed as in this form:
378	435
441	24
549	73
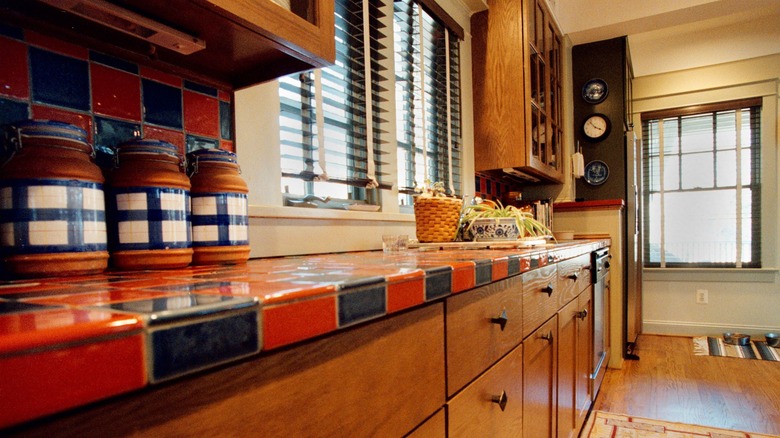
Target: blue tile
484	272
514	265
59	80
162	104
362	304
11	32
160	311
438	282
108	134
195	142
12	111
225	120
8	307
184	348
193	86
110	61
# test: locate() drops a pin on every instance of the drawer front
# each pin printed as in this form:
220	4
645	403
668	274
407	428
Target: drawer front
573	277
540	297
434	427
482	326
476	411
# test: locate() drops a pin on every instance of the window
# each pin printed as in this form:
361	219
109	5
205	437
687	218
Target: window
331	120
427	87
702	186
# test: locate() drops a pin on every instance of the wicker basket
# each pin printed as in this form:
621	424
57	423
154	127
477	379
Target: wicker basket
437	218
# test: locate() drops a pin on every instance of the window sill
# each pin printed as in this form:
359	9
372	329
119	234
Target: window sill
275	212
711	275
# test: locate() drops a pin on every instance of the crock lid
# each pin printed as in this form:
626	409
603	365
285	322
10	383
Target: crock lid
50	129
148	146
219	155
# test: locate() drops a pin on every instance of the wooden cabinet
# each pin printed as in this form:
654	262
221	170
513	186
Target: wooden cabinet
482	326
540	297
518	113
575	332
247	41
491	406
540	380
573	277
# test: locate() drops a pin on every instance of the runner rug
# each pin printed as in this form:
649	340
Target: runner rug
607	425
714	346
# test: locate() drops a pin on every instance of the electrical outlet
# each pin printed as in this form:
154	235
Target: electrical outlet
702	296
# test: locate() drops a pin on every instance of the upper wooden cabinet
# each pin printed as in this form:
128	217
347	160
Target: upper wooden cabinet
517	49
247	41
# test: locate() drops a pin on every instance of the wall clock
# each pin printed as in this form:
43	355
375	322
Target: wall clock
595	91
596	173
596	127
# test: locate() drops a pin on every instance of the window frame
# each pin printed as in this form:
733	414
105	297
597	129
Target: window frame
755	168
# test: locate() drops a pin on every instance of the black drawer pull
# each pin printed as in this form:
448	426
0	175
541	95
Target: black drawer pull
501	400
574	276
501	320
582	314
548	289
548	337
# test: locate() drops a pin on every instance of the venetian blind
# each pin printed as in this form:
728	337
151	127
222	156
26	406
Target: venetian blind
427	85
702	185
332	118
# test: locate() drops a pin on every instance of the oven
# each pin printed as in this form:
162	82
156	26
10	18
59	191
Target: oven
600	278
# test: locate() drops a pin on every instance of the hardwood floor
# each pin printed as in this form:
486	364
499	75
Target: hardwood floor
670	383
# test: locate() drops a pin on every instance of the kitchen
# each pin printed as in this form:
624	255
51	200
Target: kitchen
276	231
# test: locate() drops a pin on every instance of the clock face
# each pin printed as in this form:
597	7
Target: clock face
596	173
595	91
596	127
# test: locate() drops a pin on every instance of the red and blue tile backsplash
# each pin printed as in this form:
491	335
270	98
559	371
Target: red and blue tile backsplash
114	100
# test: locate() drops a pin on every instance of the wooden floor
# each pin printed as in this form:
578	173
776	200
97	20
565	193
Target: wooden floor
669	383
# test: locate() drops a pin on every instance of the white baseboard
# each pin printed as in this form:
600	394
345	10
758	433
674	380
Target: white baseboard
688	328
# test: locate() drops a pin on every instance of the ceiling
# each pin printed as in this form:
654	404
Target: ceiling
671	35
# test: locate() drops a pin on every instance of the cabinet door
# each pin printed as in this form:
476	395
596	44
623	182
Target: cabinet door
482	326
583	385
434	427
540	297
539	381
567	369
491	406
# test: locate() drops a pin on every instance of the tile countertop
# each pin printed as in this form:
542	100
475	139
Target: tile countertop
66	342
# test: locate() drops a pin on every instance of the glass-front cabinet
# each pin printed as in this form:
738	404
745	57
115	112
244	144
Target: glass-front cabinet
517	52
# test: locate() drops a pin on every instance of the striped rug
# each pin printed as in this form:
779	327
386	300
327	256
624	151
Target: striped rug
607	425
714	346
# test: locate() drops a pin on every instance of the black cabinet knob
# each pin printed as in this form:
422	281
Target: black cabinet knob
582	314
548	337
501	400
574	276
548	289
501	320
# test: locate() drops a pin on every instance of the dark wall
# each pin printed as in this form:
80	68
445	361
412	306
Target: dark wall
606	60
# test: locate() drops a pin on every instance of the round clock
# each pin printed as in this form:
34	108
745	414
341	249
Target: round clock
596	173
596	127
595	91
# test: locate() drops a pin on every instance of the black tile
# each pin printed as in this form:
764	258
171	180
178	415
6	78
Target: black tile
194	143
110	61
194	86
182	349
13	111
162	104
9	307
11	32
108	134
225	120
438	282
59	80
484	272
165	309
514	265
361	304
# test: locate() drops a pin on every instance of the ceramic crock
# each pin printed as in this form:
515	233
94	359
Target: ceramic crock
220	217
52	204
149	207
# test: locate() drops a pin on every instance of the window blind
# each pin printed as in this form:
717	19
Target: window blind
332	120
427	85
702	185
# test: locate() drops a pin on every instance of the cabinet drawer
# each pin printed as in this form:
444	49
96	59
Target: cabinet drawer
476	410
573	277
540	297
434	427
482	326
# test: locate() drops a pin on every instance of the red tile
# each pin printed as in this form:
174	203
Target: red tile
57	45
83	121
49	381
102	297
500	268
289	323
159	76
14	77
464	279
175	138
226	96
405	294
525	264
201	114
115	93
227	145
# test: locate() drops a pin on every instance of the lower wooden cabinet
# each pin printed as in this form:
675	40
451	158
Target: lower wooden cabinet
575	334
583	386
492	405
434	427
540	350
